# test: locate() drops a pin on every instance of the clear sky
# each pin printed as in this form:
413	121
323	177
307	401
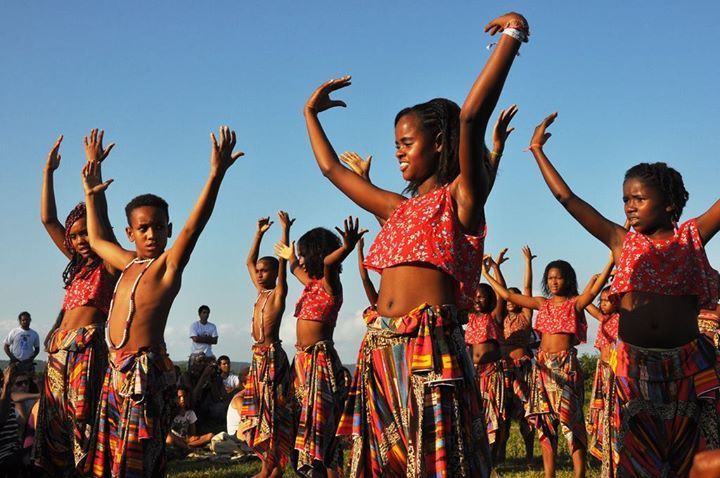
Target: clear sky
633	82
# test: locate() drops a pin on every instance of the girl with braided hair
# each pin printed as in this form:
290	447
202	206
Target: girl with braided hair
414	407
75	345
666	397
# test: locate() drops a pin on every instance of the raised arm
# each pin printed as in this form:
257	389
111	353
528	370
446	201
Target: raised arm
593	310
500	305
283	251
361	167
48	209
350	236
519	299
281	288
709	223
221	158
96	153
609	233
378	201
528	277
473	185
263	224
368	286
501	131
109	251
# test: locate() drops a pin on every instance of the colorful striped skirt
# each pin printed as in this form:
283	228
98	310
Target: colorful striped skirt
556	399
518	374
711	329
598	424
266	421
77	359
414	407
491	382
666	408
320	385
136	408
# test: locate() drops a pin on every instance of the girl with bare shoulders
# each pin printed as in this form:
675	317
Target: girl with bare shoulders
77	354
414	408
663	366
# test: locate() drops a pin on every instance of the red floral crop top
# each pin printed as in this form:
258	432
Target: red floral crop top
426	229
90	288
481	328
317	305
562	319
608	331
675	266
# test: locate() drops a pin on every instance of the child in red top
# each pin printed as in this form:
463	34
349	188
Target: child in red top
320	381
77	355
556	393
441	154
673	391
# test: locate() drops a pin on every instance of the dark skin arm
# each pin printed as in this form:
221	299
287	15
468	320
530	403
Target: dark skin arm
48	209
500	305
519	299
9	353
283	251
350	236
8	378
500	136
361	167
263	224
709	223
368	286
281	289
204	340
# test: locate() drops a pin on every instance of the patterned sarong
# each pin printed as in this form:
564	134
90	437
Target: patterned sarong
414	407
556	399
266	421
491	381
320	384
709	326
136	408
77	359
518	374
598	424
666	408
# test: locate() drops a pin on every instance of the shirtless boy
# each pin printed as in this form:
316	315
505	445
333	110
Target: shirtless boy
265	417
139	385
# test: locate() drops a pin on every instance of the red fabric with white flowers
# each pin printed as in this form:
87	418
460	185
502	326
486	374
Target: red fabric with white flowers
481	328
90	288
317	305
562	319
608	330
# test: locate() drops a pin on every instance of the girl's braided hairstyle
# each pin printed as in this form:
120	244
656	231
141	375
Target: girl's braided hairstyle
667	180
77	262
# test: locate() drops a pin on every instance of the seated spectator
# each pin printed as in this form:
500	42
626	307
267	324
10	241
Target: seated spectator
209	398
231	382
233	416
183	432
23	399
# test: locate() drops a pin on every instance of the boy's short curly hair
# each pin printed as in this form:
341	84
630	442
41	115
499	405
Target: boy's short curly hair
667	180
147	200
314	246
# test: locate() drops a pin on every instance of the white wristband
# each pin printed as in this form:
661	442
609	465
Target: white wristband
519	35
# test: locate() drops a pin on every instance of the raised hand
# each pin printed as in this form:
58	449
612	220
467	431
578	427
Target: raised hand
360	166
94	150
487	264
320	99
352	233
263	224
509	20
501	257
284	251
285	220
53	160
222	156
501	130
527	253
540	136
91	178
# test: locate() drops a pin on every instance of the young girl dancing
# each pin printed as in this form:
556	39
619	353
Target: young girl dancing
77	355
598	426
413	409
319	379
556	393
666	374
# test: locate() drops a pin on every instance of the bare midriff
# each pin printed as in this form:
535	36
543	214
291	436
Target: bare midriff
271	334
516	353
82	317
606	352
554	343
485	352
405	287
658	321
310	332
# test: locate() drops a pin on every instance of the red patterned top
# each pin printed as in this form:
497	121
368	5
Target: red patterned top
317	305
90	288
562	319
426	229
481	328
517	330
674	266
608	330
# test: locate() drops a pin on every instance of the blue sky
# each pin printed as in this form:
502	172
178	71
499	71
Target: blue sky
631	84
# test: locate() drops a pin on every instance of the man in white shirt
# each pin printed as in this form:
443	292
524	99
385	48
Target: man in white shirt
203	335
22	343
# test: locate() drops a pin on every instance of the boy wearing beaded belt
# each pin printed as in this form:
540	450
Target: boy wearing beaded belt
138	389
265	417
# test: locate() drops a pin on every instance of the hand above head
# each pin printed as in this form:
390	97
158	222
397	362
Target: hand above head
285	220
360	166
94	150
540	136
320	99
501	130
284	251
487	263
509	20
263	224
53	159
527	253
91	178
501	257
222	156
352	233
361	244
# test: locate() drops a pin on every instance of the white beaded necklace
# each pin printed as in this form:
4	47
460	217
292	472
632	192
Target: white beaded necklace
267	293
131	306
